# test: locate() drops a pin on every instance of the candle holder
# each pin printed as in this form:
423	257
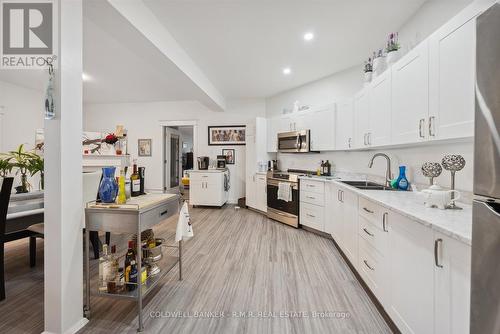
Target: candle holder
453	163
431	170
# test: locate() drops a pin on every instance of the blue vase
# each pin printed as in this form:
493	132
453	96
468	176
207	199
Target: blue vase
402	181
108	189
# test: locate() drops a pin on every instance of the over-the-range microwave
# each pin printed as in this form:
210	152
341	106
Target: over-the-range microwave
294	141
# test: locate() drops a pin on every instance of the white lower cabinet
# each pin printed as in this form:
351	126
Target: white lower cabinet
312	204
420	276
207	188
452	286
256	191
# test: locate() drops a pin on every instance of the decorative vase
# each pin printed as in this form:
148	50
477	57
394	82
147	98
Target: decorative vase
368	77
378	65
393	57
108	189
23	188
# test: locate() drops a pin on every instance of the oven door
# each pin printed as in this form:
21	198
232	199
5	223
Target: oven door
293	142
273	202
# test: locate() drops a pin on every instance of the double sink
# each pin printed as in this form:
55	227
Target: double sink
367	185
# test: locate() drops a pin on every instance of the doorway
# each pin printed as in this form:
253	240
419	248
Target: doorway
179	146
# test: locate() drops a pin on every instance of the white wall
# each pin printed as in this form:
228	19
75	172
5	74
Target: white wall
427	19
143	121
22	110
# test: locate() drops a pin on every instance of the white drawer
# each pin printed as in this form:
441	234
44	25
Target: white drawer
377	238
312	186
312	198
373	212
370	268
312	216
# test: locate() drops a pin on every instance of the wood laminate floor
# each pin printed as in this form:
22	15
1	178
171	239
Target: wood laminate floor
242	273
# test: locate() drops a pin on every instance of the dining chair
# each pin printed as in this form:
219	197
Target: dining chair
91	183
5	190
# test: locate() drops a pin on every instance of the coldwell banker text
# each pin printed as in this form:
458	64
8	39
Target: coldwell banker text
28	34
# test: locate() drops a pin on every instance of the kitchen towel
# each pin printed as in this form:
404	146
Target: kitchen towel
184	227
285	191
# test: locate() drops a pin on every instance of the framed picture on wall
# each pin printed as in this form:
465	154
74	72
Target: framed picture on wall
229	154
144	147
227	135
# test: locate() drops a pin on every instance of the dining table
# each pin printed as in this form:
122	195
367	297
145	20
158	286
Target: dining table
24	211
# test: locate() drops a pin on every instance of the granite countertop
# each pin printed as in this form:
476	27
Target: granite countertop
454	223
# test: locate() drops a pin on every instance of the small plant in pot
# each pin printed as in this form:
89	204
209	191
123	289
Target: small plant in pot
393	48
36	165
378	62
20	160
5	166
368	69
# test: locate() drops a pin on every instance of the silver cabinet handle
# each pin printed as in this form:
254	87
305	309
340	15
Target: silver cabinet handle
432	132
421	128
364	139
384	222
369	136
342	196
338	195
437	242
368	232
366	264
368	210
309	215
310	197
349	142
311	185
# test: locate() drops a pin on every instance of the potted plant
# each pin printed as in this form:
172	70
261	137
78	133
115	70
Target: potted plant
378	62
392	48
368	68
20	160
36	165
5	166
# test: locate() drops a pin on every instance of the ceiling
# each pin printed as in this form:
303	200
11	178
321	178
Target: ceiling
243	45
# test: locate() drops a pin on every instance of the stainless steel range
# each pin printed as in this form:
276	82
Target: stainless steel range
277	209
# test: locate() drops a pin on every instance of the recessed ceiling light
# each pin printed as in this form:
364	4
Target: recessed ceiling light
287	70
308	36
86	77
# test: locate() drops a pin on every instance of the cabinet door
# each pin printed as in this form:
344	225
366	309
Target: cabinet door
361	118
411	275
452	63
452	286
344	125
261	193
380	110
321	122
251	191
349	202
333	213
410	96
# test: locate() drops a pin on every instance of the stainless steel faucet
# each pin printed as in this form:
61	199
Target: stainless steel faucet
388	174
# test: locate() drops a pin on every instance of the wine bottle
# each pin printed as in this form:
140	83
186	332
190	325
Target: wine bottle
104	269
135	181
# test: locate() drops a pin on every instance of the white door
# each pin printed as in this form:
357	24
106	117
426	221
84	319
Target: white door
173	159
411	275
350	225
361	118
344	125
452	62
452	286
380	110
410	96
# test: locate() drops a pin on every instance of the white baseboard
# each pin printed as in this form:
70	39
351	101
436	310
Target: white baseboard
73	329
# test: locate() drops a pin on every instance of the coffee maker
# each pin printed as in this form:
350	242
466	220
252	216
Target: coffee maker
272	165
221	162
203	163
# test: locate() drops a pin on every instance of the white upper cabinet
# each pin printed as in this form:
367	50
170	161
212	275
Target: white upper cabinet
452	285
344	125
452	76
361	118
321	122
410	96
380	110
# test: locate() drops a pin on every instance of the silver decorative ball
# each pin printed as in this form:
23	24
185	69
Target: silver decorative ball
453	162
431	169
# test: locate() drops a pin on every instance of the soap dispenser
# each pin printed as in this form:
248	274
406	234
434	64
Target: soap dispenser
402	181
